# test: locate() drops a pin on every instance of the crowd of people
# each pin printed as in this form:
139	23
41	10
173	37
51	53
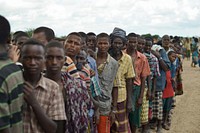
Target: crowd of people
87	83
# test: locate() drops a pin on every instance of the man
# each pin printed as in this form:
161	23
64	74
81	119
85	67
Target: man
91	41
72	46
151	79
11	87
164	64
21	38
125	77
142	70
74	97
107	70
43	34
44	100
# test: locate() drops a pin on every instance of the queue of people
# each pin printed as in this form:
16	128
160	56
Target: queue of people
87	83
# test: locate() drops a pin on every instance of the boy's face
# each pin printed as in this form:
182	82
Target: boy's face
82	57
165	41
103	45
172	57
132	43
20	41
147	47
32	59
140	46
72	45
117	44
55	58
91	42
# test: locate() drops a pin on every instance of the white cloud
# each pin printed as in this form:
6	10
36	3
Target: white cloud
176	17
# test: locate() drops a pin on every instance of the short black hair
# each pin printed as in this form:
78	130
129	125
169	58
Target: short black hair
33	41
49	33
83	35
74	33
171	52
4	30
132	35
20	34
101	35
149	39
91	34
54	43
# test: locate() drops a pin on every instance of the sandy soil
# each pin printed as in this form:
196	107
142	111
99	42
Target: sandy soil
186	116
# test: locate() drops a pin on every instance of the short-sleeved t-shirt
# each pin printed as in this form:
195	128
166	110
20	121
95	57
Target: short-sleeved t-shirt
141	67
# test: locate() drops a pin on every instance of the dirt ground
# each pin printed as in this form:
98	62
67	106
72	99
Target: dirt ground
186	116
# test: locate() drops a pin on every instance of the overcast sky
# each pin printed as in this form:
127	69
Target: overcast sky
174	17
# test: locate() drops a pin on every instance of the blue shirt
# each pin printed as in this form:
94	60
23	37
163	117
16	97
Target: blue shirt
161	80
93	66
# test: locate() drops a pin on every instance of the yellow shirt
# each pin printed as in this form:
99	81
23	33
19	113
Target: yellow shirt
124	72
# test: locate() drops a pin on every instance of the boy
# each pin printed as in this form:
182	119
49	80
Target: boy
107	70
44	101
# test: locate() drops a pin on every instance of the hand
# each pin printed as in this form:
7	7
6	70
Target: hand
97	116
152	96
156	53
29	96
112	118
129	106
148	95
139	102
14	53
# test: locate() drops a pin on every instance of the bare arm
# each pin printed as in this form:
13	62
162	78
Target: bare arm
129	88
140	100
153	86
149	87
114	97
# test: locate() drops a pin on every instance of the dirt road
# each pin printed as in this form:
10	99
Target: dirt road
186	117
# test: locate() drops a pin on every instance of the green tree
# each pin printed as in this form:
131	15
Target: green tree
29	31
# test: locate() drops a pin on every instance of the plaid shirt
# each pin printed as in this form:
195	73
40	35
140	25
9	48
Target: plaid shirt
154	65
125	71
50	98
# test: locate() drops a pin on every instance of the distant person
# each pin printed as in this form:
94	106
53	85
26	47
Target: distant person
91	41
11	88
137	117
164	64
21	38
44	34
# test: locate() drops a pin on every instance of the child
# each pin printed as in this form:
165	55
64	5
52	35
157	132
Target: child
168	99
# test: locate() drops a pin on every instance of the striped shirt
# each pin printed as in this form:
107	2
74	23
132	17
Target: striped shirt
70	67
153	64
11	96
85	75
